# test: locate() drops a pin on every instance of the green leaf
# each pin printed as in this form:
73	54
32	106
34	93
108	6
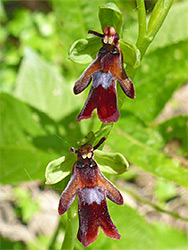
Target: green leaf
132	226
165	190
143	147
48	92
85	50
24	201
176	128
58	169
111	163
161	73
29	140
110	15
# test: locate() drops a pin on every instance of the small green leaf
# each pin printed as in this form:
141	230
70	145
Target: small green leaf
111	163
176	128
110	15
83	51
131	55
58	169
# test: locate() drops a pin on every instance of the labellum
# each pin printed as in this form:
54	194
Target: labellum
92	188
106	68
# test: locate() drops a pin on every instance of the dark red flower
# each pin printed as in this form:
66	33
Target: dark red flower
104	71
92	188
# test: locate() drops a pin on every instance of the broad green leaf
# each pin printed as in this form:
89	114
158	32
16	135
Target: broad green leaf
176	128
110	15
161	73
143	147
29	140
39	84
111	163
58	169
138	234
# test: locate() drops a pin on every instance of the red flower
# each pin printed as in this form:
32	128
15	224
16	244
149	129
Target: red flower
104	71
92	188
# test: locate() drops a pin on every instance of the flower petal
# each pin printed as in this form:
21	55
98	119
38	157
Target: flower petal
102	96
69	193
112	192
118	71
106	223
93	212
85	79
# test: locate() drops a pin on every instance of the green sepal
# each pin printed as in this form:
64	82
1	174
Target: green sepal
110	15
83	51
58	169
111	163
131	54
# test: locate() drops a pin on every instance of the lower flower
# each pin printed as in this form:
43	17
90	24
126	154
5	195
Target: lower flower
92	188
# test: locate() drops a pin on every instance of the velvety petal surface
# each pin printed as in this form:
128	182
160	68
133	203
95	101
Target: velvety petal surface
93	212
105	100
69	194
85	79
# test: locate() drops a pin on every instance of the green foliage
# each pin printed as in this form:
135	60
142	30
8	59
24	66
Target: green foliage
39	113
49	92
144	147
165	190
25	204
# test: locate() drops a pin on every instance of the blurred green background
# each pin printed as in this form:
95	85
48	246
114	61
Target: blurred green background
38	124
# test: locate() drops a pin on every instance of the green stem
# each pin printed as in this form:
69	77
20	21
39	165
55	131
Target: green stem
145	37
141	20
71	227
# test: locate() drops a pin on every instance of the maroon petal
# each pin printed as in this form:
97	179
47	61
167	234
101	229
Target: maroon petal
118	71
103	97
106	223
112	192
69	194
93	212
85	78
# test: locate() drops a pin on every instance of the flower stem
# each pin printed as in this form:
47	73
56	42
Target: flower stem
141	20
71	227
145	37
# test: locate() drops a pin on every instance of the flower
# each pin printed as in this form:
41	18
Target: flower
104	71
92	188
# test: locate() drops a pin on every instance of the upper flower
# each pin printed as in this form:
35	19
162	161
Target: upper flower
104	71
92	188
